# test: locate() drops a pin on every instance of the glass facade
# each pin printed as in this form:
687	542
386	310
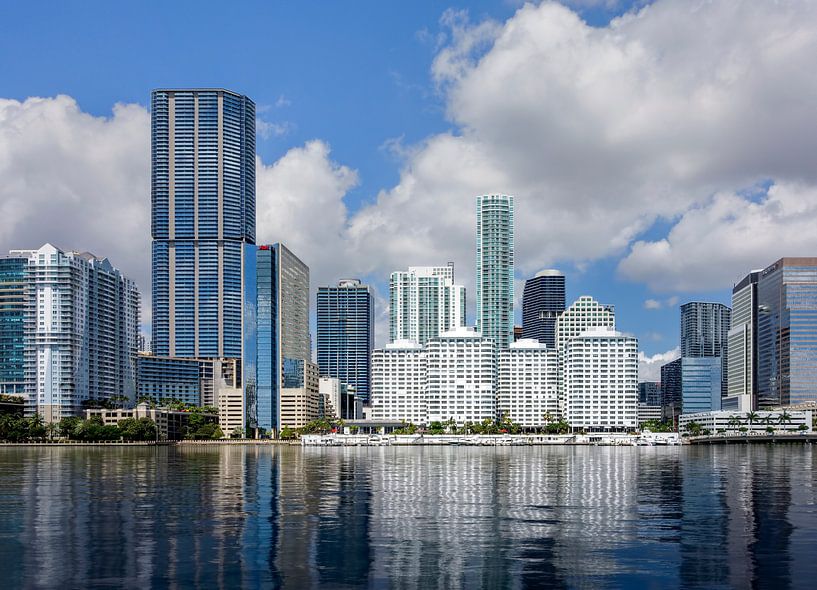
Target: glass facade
161	379
13	300
705	333
543	300
700	384
741	378
649	393
282	293
346	334
671	384
202	217
495	268
787	333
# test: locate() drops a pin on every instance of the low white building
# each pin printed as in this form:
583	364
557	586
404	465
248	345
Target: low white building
398	390
732	422
647	413
601	381
461	369
528	383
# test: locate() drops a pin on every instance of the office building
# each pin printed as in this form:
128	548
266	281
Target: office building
495	268
424	301
300	393
543	300
399	383
700	384
649	393
671	390
161	379
345	339
741	379
282	333
203	221
81	330
527	384
13	308
461	369
730	423
601	381
787	333
338	399
705	333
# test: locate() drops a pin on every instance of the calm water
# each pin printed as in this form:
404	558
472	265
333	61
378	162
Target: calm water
709	517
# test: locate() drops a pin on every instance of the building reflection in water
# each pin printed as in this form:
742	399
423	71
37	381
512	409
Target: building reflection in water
423	517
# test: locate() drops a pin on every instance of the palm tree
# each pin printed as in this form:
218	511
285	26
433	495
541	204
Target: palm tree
784	418
52	428
734	422
751	417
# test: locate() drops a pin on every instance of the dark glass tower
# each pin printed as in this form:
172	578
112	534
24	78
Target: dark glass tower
346	334
13	300
787	333
283	328
543	301
705	333
203	219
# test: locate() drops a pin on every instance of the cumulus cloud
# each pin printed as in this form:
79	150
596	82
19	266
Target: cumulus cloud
668	113
652	304
649	367
716	244
78	181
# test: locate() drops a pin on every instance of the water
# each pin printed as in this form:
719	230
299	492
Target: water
244	517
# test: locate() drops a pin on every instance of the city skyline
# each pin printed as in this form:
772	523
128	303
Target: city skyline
598	200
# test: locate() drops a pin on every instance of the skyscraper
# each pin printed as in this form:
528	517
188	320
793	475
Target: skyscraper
787	333
203	220
283	343
495	265
13	302
424	302
543	300
741	379
81	330
705	333
346	334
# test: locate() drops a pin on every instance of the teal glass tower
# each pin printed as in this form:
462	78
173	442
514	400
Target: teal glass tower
203	220
494	276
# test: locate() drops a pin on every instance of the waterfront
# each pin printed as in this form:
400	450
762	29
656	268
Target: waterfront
417	517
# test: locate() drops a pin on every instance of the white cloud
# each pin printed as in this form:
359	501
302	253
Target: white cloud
78	181
652	304
715	245
649	367
268	129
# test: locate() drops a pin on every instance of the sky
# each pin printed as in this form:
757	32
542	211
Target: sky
657	151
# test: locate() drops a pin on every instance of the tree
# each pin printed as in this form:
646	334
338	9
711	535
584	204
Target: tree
237	432
53	428
288	433
436	427
68	426
694	428
734	422
751	417
784	418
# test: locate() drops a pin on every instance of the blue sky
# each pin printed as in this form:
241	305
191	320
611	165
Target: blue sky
367	80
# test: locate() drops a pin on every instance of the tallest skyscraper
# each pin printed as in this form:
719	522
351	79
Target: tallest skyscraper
203	220
495	268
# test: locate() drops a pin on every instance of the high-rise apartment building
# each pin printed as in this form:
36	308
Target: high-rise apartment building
399	382
81	330
282	332
346	334
583	314
543	300
13	305
741	378
461	369
203	220
527	383
601	381
787	333
495	267
424	301
705	333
